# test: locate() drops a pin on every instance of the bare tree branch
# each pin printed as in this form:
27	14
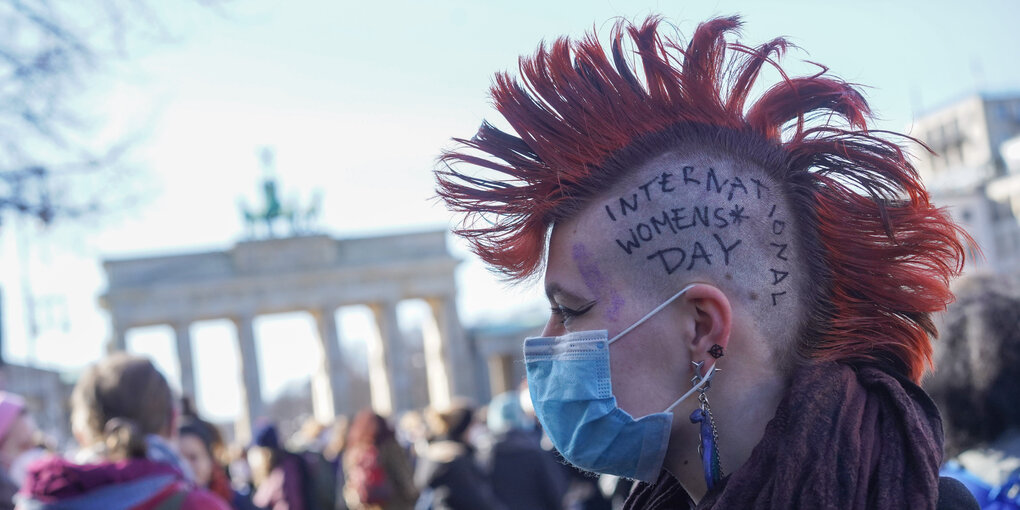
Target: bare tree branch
49	53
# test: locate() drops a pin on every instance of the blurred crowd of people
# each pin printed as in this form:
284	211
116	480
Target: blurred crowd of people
139	448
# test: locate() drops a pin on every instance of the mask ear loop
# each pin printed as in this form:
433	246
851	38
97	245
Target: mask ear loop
649	315
697	387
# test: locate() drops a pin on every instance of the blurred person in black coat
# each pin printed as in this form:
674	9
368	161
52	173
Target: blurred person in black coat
523	474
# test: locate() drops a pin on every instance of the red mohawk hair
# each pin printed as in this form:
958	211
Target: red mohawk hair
881	254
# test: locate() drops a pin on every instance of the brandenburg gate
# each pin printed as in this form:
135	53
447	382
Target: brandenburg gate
312	273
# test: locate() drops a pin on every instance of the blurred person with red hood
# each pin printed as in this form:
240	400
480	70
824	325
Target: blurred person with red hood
17	430
122	415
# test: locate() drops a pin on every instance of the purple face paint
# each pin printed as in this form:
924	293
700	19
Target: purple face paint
595	282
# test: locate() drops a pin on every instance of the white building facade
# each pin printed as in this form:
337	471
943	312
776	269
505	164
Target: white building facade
975	172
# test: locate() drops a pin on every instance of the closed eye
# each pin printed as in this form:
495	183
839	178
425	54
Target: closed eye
565	314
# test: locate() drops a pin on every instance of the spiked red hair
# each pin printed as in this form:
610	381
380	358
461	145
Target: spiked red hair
881	254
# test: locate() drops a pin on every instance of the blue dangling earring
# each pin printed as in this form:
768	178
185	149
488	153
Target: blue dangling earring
708	448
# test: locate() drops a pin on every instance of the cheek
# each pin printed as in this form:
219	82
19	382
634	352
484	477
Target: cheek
631	377
647	371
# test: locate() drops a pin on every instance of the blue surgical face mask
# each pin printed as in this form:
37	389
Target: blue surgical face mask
568	377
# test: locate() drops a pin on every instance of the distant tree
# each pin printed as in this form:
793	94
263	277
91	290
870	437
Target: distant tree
50	52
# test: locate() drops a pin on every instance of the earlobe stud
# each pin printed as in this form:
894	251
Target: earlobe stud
716	351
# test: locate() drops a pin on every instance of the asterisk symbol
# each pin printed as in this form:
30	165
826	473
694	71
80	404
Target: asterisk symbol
737	215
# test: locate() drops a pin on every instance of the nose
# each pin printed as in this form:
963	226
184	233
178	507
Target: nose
553	327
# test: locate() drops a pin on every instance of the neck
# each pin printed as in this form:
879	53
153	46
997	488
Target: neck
742	409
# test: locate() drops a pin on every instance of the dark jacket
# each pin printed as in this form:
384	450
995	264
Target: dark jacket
448	473
523	475
8	488
284	488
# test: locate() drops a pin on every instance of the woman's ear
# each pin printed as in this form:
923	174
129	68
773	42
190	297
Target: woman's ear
712	323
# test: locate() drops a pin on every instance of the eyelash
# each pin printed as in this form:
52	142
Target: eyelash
564	314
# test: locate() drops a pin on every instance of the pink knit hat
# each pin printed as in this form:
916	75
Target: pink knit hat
11	406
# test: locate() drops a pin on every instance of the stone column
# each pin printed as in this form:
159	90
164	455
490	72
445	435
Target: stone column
182	331
500	368
384	356
448	361
118	339
251	390
330	384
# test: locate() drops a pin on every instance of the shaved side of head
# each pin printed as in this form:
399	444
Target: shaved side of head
697	215
786	200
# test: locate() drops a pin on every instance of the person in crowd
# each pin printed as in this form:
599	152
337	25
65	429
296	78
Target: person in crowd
523	475
412	434
334	453
195	444
448	472
378	471
17	439
735	279
239	471
280	476
311	436
309	443
336	441
976	387
198	442
122	416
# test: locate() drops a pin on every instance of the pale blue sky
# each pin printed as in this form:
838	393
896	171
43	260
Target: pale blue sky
359	97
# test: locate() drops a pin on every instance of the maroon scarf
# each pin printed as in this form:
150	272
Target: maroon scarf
842	438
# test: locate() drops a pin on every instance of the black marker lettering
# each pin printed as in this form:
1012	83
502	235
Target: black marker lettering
782	250
773	211
737	215
701	213
610	213
721	221
673	253
631	243
647	235
664	222
687	175
776	294
736	183
778	276
725	249
624	205
664	182
699	253
758	186
678	217
644	187
778	226
712	179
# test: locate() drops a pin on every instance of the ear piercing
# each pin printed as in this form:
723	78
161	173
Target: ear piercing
716	351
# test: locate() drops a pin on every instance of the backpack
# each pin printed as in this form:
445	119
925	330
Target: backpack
368	477
1002	497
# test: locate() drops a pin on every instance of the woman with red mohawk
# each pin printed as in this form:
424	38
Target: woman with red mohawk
741	290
